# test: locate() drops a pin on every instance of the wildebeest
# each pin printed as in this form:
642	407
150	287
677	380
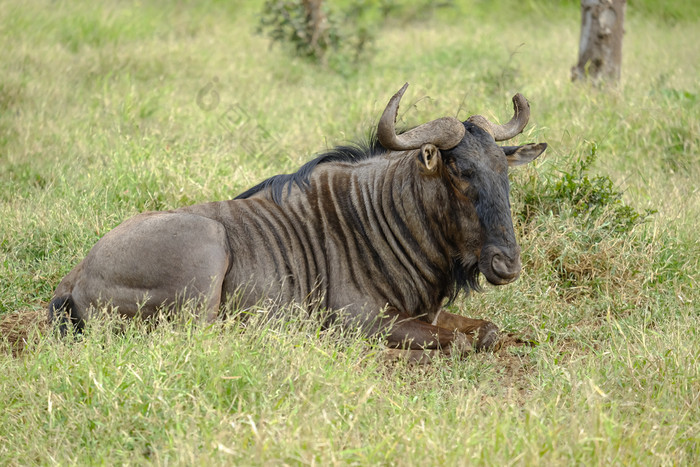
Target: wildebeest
381	236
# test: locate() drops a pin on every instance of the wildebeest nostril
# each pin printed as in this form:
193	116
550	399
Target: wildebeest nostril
505	267
500	265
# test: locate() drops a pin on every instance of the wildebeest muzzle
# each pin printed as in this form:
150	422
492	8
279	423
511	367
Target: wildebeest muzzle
500	265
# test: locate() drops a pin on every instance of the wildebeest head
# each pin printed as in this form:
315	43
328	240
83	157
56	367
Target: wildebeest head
466	154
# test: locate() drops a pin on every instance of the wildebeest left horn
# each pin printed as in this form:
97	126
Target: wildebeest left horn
445	133
516	124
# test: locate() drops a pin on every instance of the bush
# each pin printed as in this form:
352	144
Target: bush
292	22
582	195
341	35
590	249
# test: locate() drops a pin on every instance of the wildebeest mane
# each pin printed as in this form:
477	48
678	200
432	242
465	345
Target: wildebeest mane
352	153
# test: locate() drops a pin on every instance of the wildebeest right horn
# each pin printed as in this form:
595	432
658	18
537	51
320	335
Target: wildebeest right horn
445	133
516	124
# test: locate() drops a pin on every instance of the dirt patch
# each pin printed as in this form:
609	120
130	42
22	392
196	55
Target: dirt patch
18	328
505	347
514	364
507	342
504	371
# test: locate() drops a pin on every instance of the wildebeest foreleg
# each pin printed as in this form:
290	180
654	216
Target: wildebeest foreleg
411	333
485	331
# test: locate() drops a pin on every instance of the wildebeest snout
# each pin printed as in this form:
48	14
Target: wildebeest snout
500	265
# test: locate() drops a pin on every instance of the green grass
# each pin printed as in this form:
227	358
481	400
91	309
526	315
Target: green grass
99	120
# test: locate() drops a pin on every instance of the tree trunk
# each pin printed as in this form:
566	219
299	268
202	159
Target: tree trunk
600	48
316	26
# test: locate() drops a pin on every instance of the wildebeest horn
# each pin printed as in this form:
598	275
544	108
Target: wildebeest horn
510	129
445	133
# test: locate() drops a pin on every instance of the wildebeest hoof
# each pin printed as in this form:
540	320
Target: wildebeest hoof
487	338
461	345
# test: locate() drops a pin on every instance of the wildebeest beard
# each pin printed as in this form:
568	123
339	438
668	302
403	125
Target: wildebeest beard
465	278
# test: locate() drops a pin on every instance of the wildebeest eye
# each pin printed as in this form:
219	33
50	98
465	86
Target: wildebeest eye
467	173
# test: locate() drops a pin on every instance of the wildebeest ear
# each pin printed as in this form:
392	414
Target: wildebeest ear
429	156
519	155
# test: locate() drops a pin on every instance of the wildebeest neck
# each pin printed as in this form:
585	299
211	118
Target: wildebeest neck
382	224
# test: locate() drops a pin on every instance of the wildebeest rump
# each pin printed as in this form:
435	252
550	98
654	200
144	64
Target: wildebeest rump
383	235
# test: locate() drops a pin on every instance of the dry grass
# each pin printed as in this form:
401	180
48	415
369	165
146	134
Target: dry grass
20	328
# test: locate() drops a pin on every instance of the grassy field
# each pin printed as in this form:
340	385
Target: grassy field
108	109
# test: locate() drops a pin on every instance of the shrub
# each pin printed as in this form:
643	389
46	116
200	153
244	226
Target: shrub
293	22
341	35
590	250
581	195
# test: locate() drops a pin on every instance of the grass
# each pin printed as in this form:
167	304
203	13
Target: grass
108	110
